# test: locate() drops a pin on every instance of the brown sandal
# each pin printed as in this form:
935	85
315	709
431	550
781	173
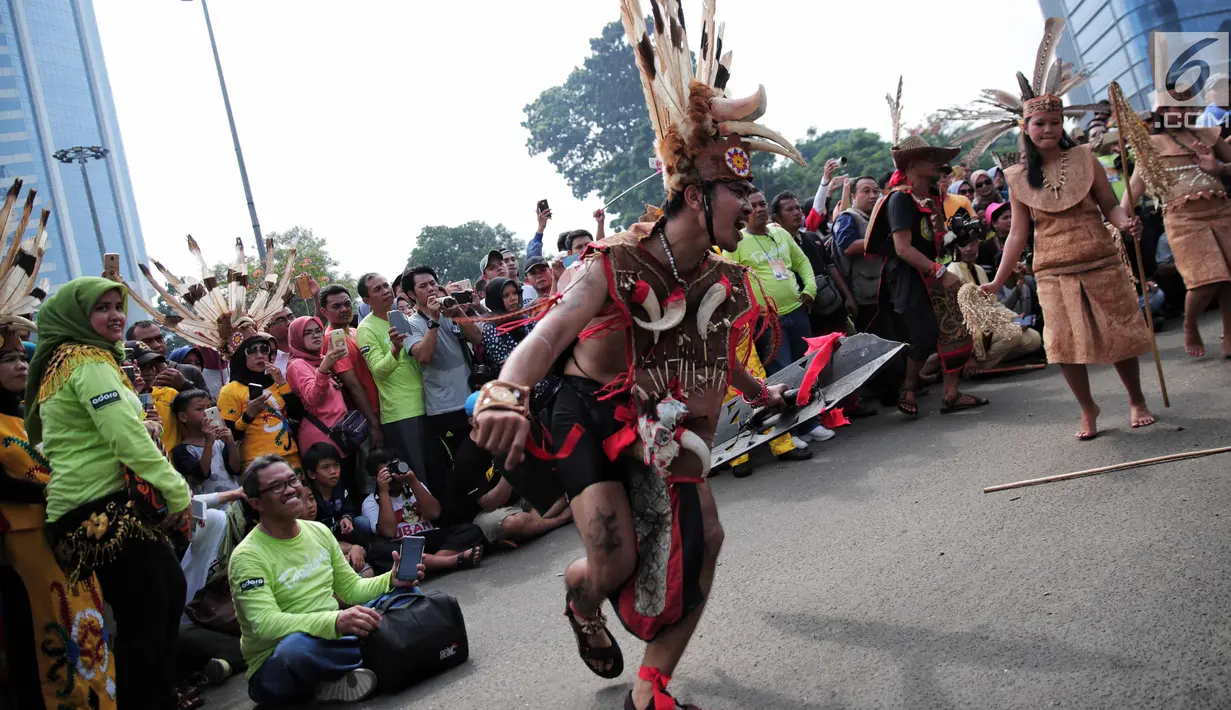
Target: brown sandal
948	406
590	654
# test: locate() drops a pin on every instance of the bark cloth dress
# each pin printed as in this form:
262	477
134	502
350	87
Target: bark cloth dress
1196	211
1090	308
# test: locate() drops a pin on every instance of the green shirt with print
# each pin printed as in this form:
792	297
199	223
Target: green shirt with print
284	587
775	258
92	429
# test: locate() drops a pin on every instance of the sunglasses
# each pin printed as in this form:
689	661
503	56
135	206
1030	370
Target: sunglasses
257	349
983	183
965	191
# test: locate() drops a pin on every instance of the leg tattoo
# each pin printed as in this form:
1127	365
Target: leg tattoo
604	533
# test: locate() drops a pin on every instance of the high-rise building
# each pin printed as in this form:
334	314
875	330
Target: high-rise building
54	95
1111	38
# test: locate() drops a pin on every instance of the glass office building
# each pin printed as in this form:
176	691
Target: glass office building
54	94
1112	39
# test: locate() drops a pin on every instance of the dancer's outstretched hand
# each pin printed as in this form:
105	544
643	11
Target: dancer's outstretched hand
499	431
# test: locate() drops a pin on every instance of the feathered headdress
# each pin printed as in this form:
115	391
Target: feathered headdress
19	296
213	314
1042	93
702	136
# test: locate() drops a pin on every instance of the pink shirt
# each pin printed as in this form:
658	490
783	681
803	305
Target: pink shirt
320	397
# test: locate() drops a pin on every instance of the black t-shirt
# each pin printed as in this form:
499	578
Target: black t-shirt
475	474
814	248
903	213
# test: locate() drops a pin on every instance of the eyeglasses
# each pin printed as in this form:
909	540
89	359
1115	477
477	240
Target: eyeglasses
257	349
279	320
983	183
279	487
965	191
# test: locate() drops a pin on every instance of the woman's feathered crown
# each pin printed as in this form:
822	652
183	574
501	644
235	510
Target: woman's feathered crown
213	314
19	296
702	136
1003	111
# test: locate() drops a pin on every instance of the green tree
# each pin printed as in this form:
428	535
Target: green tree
865	153
594	127
454	252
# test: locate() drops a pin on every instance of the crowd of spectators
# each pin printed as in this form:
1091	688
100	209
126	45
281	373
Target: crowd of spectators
327	438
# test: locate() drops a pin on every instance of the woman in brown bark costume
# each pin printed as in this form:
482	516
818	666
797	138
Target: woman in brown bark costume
1196	215
1089	304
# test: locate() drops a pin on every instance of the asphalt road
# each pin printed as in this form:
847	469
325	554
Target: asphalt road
878	575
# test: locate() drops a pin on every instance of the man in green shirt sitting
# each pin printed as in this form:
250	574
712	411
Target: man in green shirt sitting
283	577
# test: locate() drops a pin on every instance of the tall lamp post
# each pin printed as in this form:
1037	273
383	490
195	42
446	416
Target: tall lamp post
239	154
81	155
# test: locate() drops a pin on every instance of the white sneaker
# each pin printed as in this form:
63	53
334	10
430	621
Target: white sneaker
354	686
820	433
798	442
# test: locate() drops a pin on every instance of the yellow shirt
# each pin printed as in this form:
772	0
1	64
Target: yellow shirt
270	433
24	462
163	397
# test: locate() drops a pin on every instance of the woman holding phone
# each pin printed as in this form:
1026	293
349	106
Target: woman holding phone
108	479
310	373
258	404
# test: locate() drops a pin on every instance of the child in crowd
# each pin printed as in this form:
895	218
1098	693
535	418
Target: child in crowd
354	554
206	455
403	506
323	464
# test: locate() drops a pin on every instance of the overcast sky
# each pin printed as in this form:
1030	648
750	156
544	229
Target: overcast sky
366	121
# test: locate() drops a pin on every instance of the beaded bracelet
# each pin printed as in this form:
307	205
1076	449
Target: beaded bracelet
762	397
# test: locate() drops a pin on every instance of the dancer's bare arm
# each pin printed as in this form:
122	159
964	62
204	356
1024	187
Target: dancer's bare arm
503	431
1013	247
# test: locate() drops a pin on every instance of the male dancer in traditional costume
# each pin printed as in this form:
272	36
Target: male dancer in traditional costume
646	335
906	227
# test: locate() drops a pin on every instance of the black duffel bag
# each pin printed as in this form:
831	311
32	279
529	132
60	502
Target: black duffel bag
419	636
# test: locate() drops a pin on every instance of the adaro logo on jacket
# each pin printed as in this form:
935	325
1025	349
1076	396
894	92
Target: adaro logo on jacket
104	399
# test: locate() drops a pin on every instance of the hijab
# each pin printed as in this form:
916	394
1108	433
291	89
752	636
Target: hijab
956	187
494	300
299	350
64	319
239	362
178	355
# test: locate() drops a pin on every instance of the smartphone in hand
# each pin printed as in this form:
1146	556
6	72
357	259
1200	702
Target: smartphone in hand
337	339
543	206
411	555
213	416
255	391
198	509
398	320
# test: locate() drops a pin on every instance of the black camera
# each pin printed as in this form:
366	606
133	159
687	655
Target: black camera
398	467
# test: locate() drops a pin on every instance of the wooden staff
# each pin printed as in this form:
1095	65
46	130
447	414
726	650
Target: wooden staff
1141	274
1106	469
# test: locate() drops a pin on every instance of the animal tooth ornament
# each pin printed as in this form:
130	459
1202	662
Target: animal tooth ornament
1002	111
218	315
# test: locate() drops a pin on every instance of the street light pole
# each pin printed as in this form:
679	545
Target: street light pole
82	155
239	153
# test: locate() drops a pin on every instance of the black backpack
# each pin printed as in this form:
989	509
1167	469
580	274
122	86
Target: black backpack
419	636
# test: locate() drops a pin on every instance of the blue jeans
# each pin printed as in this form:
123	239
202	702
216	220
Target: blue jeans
795	327
301	661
